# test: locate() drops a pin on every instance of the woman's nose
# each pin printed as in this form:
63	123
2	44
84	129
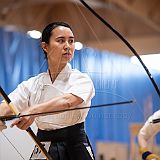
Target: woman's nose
67	46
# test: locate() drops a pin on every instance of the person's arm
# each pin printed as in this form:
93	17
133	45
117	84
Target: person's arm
145	134
66	101
4	109
142	141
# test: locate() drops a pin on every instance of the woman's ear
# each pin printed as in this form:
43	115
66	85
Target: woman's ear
44	47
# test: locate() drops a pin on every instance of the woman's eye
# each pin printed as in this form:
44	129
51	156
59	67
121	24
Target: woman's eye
60	40
71	41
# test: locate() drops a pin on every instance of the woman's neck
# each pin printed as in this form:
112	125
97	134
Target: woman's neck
54	71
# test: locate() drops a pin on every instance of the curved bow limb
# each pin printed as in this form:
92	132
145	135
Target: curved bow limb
29	130
125	41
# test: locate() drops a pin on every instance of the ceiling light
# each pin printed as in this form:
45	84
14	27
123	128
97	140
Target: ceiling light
34	34
150	60
78	45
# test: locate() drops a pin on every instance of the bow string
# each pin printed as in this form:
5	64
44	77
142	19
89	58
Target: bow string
125	42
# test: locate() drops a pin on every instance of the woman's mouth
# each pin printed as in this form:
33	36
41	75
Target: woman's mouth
68	55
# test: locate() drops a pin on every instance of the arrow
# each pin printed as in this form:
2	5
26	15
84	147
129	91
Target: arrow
11	117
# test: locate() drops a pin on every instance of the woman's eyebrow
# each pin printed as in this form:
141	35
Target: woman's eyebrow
64	37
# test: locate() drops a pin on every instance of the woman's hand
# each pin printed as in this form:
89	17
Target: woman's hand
24	122
2	126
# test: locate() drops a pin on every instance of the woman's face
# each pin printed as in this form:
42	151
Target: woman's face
61	46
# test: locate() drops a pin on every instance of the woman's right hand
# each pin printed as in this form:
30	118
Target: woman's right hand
2	126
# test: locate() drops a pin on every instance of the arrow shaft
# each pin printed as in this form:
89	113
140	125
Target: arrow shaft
10	117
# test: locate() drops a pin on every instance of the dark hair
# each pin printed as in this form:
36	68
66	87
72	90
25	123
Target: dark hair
46	34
